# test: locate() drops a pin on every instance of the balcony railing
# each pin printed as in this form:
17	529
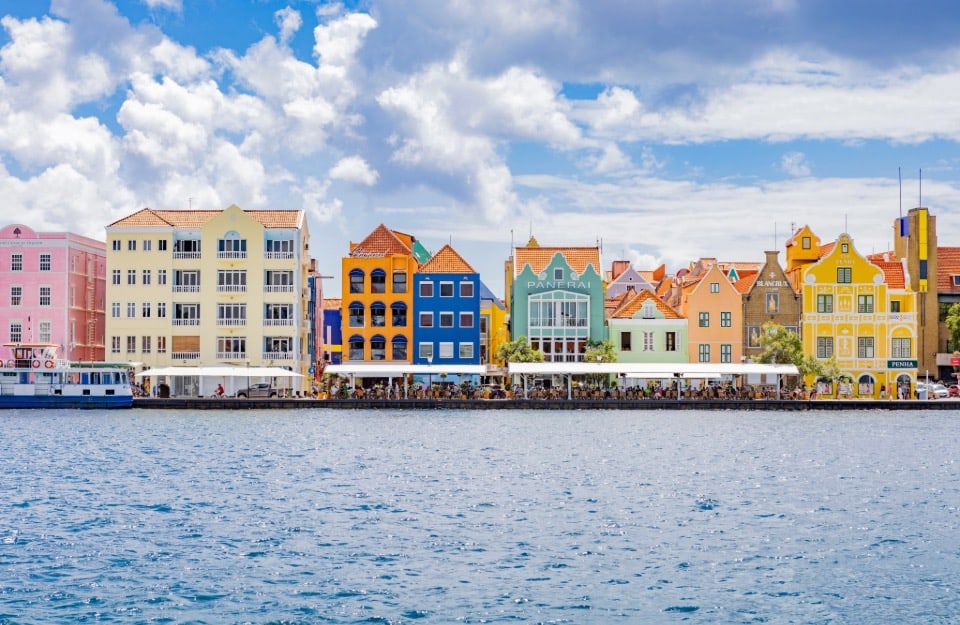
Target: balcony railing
278	288
277	322
186	254
185	355
231	288
186	322
278	355
278	255
231	255
231	322
231	355
186	288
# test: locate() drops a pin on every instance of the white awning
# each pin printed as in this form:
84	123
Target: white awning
696	370
220	371
397	369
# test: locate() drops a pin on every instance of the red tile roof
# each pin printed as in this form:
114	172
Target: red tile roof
197	218
382	242
948	265
633	302
447	260
538	258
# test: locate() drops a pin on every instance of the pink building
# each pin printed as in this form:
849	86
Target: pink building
52	290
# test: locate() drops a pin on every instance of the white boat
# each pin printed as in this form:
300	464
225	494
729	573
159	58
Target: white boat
33	376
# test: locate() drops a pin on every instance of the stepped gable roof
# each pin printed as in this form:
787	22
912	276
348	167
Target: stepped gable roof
447	260
948	265
197	218
382	242
635	302
539	257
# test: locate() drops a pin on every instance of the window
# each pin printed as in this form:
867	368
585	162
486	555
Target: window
398	317
703	351
648	341
356	281
426	289
824	303
161	345
772	304
426	320
865	304
378	315
356	316
44	296
161	309
16	262
558	274
355	345
162	277
625	342
16	295
670	342
282	282
186	281
399	348
115	277
865	347
132	245
279	248
378	281
231	281
231	347
466	319
844	275
446	289
116	245
805	243
425	351
145	310
894	306
901	348
399	282
466	289
131	276
114	344
186	315
446	320
44	262
231	246
714	287
726	319
726	353
145	344
445	350
45	331
162	245
275	313
131	310
16	332
466	351
131	345
956	279
147	245
378	348
844	248
704	319
145	277
231	314
115	310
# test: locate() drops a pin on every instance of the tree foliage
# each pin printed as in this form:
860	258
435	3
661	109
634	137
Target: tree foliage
600	351
518	350
953	324
783	346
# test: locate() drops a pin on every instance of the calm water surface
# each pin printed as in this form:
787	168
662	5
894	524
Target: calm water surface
502	517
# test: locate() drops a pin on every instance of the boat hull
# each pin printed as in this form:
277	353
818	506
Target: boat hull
93	402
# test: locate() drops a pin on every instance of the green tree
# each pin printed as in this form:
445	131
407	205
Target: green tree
783	346
600	351
953	324
518	350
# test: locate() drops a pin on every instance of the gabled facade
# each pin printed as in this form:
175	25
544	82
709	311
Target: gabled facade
53	290
556	299
377	297
446	304
201	287
714	311
768	298
643	328
863	315
624	277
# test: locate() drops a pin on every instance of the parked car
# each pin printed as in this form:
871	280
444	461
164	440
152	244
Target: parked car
935	390
257	390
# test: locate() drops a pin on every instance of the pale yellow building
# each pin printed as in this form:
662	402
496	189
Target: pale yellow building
196	288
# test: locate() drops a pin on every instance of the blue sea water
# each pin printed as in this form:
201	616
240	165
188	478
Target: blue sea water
479	517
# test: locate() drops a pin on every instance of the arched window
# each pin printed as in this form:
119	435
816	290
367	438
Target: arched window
356	347
378	315
356	315
399	345
378	281
356	281
865	385
398	317
378	347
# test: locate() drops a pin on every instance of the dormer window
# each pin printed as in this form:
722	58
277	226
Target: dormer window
805	243
956	280
648	310
844	248
558	274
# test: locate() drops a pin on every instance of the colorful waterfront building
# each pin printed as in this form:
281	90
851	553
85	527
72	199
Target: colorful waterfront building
555	296
446	305
858	310
332	331
377	296
645	329
204	287
53	290
493	330
768	297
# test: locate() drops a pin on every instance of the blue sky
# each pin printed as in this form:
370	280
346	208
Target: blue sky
667	131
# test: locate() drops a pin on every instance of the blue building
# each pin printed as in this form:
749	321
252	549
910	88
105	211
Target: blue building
446	304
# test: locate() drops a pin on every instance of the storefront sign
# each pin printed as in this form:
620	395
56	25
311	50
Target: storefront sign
901	364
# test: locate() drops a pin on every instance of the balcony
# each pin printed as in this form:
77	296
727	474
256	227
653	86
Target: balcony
231	255
278	355
278	255
278	288
231	288
231	355
186	288
185	355
231	322
277	322
186	322
186	254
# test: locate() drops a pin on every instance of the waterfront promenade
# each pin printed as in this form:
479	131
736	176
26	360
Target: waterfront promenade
210	403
